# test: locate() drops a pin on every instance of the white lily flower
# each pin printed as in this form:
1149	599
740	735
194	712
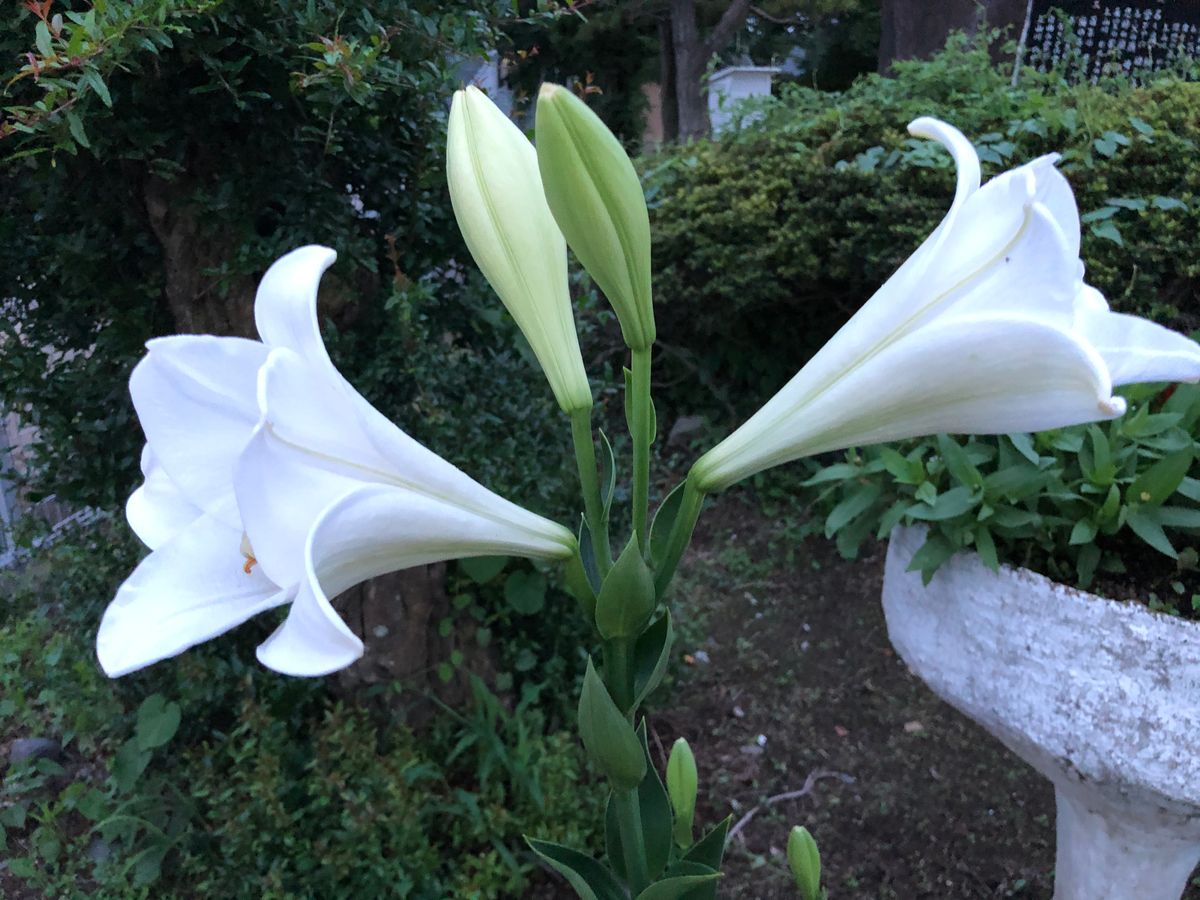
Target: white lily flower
269	480
496	191
988	328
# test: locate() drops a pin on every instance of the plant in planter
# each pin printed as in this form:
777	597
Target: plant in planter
992	544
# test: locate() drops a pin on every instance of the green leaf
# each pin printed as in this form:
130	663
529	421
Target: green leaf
482	569
1168	203
932	554
41	37
901	468
1142	126
664	521
22	867
587	557
836	472
1146	526
93	80
1136	204
853	506
607	734
952	503
576	579
608	475
1023	444
1161	480
1178	517
1109	231
76	128
590	879
525	591
128	765
157	722
674	887
1084	532
708	852
1103	469
986	548
655	809
626	597
651	656
1085	565
957	463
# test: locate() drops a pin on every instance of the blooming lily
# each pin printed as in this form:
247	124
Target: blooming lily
501	210
269	480
988	328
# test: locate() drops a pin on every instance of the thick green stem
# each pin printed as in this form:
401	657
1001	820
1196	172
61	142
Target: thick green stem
681	535
618	674
633	842
593	504
640	423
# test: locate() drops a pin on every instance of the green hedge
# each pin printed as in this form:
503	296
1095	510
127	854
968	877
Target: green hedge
767	239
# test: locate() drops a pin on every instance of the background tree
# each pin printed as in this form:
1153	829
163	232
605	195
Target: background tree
912	29
613	48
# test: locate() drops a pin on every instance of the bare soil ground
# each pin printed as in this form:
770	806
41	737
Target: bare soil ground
801	682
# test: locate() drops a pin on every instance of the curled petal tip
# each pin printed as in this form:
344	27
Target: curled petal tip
1113	407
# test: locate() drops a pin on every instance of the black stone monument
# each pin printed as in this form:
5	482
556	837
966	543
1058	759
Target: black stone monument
1097	38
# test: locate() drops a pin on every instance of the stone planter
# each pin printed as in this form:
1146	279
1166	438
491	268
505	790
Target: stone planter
1103	698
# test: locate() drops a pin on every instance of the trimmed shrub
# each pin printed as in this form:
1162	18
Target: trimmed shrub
767	239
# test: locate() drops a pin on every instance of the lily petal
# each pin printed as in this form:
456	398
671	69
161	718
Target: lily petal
285	307
370	531
281	491
315	420
194	396
1135	349
158	510
191	589
1011	374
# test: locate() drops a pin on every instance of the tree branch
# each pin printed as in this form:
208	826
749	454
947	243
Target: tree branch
731	20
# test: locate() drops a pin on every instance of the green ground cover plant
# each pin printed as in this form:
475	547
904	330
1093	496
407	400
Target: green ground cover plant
1113	506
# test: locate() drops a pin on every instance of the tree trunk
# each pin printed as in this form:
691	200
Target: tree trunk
668	107
195	299
915	29
398	618
691	56
690	101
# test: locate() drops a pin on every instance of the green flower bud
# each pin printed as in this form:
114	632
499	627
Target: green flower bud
597	200
501	210
682	781
805	861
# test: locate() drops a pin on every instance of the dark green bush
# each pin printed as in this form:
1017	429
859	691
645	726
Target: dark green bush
768	239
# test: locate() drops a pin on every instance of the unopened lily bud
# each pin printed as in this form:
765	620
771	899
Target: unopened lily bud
682	781
597	200
805	862
501	210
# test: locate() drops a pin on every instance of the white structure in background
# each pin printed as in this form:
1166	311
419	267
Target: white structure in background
488	76
728	86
